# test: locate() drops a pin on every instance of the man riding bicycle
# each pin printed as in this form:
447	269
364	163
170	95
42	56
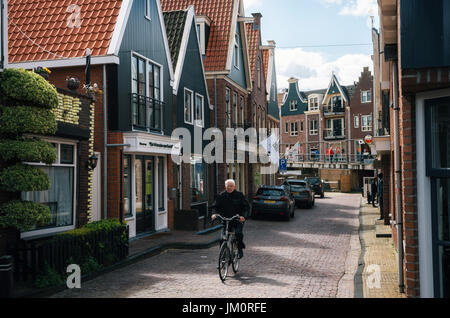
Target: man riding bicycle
228	204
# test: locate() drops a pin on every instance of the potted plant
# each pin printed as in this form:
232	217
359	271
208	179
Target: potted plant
73	83
43	71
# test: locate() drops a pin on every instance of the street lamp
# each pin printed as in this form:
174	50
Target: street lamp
92	162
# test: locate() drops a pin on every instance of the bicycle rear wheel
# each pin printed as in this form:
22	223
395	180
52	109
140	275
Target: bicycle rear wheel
236	260
224	261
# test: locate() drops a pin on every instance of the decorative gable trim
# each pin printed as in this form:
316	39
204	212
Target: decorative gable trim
120	27
334	80
166	42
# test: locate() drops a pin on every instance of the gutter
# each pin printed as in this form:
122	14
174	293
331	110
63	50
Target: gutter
105	149
399	218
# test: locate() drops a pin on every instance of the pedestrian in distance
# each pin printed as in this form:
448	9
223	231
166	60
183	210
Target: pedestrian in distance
373	192
230	203
380	195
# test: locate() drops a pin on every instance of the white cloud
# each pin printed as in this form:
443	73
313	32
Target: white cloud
360	8
314	72
252	4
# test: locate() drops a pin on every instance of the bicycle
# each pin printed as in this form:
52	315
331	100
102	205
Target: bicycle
229	253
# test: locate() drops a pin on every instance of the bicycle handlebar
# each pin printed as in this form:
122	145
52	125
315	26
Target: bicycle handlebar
225	219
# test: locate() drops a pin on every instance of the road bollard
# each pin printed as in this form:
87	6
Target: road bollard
6	276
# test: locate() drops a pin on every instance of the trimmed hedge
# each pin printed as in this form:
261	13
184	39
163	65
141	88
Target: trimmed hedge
24	119
28	150
28	87
24	215
23	178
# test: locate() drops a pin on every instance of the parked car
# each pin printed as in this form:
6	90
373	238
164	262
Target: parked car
317	186
301	191
273	200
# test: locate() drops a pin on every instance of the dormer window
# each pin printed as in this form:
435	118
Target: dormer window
203	26
314	103
293	105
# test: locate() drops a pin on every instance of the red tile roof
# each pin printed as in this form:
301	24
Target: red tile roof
253	38
45	23
220	12
266	55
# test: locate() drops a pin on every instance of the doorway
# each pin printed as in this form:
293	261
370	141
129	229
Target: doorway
145	194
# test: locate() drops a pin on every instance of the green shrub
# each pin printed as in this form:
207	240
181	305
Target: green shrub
24	215
49	278
24	119
23	178
27	150
27	87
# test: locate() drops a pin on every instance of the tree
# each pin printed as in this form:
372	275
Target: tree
26	104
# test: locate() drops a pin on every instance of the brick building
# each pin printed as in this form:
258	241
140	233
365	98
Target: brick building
412	142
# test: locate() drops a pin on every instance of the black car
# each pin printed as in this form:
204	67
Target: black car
273	200
301	191
317	186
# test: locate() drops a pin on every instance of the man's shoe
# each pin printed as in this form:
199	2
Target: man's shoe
240	253
380	219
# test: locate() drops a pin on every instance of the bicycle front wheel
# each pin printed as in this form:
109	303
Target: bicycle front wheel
224	261
235	263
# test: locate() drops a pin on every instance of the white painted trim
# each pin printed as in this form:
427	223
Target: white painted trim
183	48
424	221
148	9
166	42
192	106
54	230
5	34
77	61
120	27
203	110
232	34
334	78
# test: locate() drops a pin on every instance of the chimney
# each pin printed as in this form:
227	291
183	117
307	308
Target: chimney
257	21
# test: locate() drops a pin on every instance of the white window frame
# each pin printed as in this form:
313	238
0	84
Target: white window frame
312	102
148	10
315	130
365	96
58	141
147	84
286	128
242	102
187	90
200	123
364	123
356	121
293	103
227	108
294	129
236	60
235	108
301	126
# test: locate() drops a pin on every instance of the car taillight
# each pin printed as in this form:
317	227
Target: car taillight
255	197
284	199
306	191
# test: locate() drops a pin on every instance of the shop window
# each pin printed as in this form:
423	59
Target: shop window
127	177
60	196
198	180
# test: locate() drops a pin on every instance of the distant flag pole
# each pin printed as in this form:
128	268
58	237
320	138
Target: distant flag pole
88	67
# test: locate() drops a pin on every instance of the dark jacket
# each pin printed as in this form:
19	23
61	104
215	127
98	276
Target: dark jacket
374	188
230	204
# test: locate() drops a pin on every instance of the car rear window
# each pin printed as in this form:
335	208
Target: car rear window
270	192
297	183
298	187
314	181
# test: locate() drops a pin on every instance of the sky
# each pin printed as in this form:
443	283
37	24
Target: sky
317	37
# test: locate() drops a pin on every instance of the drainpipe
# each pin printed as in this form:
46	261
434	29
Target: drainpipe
399	219
215	120
105	149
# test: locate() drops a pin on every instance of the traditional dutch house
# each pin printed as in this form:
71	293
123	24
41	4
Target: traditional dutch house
130	62
223	43
412	142
193	110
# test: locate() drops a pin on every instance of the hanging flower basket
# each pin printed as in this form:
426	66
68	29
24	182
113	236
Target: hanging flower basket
43	71
73	83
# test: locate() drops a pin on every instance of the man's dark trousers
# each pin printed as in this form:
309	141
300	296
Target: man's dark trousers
380	204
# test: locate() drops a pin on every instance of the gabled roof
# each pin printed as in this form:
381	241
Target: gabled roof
38	29
342	90
254	39
223	14
175	22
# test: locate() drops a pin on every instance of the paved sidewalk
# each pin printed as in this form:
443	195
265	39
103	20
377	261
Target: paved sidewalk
378	256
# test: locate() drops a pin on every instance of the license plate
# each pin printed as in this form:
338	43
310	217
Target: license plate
269	201
296	193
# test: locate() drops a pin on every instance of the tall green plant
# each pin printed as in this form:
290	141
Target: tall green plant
25	108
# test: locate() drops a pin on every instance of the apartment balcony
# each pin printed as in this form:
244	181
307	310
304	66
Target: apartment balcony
329	111
329	134
146	113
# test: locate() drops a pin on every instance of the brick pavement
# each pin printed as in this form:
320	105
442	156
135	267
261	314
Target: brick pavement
379	258
314	255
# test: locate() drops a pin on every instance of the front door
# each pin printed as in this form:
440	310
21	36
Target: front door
145	195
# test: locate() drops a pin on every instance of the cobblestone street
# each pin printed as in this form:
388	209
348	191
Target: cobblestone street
311	256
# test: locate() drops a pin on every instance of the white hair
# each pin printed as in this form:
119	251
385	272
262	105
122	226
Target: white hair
230	181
